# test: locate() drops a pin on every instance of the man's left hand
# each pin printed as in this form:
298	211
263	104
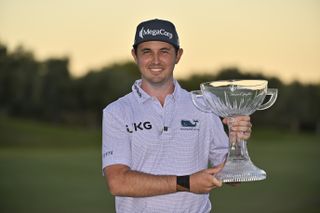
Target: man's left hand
239	125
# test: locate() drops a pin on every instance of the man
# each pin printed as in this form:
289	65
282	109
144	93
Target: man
156	143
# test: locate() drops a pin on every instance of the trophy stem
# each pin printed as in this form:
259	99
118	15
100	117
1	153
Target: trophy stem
238	166
238	151
237	147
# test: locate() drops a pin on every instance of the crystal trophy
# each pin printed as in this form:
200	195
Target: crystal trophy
231	98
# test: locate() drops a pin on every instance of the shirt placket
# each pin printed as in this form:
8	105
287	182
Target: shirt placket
164	117
168	115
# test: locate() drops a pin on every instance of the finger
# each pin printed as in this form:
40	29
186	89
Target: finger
236	120
213	171
244	123
216	182
225	120
229	120
244	135
241	123
241	128
220	166
242	118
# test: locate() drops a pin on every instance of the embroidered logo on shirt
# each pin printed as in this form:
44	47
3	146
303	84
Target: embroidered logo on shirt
108	153
189	125
137	90
139	126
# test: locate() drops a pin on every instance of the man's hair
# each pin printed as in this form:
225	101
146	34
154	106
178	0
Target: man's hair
135	48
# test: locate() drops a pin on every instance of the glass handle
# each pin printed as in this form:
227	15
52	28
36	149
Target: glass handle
198	101
274	94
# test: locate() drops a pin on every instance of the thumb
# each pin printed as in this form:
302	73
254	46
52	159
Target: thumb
214	170
225	120
228	120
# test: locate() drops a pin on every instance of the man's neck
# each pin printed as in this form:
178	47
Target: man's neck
159	91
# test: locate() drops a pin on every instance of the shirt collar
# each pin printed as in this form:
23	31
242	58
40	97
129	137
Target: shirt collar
142	96
177	90
139	93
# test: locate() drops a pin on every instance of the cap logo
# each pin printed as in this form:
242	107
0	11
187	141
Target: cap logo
154	32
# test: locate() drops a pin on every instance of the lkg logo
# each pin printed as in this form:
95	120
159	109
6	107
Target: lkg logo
139	126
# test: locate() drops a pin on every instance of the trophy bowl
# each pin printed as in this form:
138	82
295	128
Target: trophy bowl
232	98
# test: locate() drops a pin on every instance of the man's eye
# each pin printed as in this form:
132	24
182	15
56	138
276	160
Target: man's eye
145	51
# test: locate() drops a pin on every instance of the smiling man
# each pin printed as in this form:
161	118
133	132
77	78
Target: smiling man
156	144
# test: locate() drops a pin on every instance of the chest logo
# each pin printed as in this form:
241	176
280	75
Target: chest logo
188	123
139	126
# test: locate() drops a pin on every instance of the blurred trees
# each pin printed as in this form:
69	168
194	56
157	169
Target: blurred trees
19	81
46	90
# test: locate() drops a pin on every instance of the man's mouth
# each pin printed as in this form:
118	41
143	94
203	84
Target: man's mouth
155	69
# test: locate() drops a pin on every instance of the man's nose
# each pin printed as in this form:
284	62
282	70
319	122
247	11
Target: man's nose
155	59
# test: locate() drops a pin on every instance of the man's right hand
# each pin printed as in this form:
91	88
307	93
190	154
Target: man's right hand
204	181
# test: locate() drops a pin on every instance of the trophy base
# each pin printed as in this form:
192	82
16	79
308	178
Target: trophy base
240	171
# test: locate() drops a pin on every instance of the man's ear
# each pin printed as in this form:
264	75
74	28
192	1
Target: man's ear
179	54
133	53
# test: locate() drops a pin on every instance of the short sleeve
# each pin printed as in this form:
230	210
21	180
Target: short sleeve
116	147
219	143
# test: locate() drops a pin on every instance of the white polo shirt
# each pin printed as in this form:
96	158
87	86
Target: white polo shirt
176	139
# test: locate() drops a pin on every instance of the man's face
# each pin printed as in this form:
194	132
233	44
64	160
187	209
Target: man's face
156	61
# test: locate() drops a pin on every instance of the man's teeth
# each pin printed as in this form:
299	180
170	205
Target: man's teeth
156	69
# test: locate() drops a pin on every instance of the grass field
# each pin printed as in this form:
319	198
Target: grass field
49	168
